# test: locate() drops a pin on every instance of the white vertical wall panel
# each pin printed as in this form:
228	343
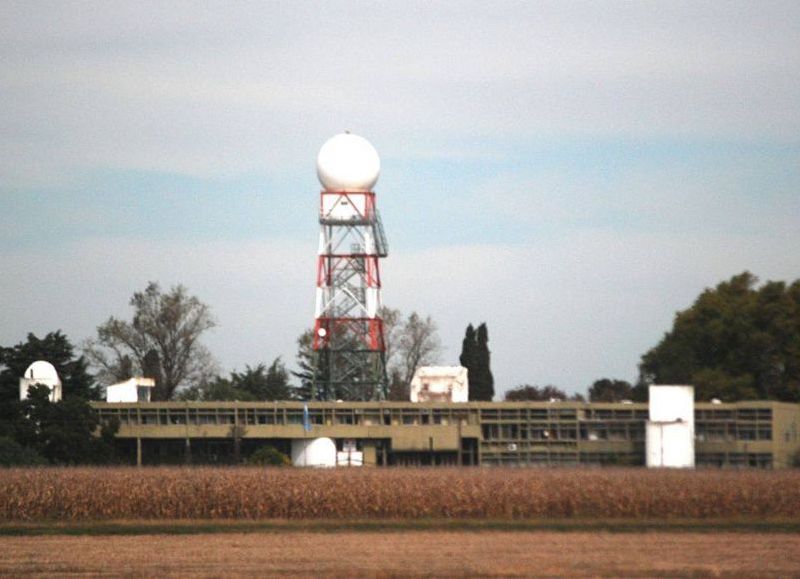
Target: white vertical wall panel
668	403
670	430
670	445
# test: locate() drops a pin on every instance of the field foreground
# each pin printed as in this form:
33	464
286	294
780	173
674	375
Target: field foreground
97	494
423	553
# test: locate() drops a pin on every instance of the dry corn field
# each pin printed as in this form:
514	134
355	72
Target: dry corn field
85	494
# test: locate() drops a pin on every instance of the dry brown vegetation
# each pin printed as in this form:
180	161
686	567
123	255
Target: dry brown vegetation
425	554
85	494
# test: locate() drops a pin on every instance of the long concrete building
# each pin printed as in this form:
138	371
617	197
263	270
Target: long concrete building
758	434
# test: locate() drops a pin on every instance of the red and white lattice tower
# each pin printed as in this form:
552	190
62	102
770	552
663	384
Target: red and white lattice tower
348	330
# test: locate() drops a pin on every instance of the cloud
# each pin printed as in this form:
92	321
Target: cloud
571	173
227	89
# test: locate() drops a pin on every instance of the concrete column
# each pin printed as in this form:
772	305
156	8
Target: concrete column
138	451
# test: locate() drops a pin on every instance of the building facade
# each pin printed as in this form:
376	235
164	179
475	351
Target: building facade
758	434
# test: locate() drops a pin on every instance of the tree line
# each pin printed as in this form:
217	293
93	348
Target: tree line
738	340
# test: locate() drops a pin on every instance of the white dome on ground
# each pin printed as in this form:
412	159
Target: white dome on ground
348	162
318	452
41	370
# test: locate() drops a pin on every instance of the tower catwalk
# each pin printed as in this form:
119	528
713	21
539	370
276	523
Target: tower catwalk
348	341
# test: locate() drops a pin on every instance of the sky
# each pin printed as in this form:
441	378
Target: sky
570	173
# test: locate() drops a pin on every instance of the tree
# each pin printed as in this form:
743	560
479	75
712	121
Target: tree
737	341
475	357
54	348
254	384
13	453
606	390
392	328
306	363
63	432
469	359
268	456
528	392
485	385
162	340
418	345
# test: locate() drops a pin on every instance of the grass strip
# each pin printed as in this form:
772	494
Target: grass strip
197	527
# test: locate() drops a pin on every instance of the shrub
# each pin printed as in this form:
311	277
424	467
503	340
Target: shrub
268	456
13	453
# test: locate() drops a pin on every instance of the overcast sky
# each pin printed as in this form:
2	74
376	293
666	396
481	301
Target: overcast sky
570	173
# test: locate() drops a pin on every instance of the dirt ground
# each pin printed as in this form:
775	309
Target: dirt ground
420	553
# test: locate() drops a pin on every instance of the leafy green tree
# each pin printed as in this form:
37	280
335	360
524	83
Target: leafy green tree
528	392
305	362
268	456
64	432
737	341
217	389
272	384
607	390
254	384
162	340
54	348
13	453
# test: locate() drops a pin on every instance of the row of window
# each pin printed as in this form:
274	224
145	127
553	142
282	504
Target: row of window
721	460
284	416
619	431
550	432
524	430
713	432
734	459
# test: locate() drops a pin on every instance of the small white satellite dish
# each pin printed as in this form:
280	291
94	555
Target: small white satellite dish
322	333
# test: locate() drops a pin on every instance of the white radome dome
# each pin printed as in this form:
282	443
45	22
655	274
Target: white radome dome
41	370
317	452
348	162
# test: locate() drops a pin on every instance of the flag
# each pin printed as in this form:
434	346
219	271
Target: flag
306	418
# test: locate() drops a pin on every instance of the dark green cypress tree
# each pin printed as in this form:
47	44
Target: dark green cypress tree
469	359
485	386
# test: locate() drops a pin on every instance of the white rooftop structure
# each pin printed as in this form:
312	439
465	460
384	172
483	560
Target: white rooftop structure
135	389
670	430
440	384
41	372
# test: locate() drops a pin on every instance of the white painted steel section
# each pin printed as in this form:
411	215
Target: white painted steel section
372	296
440	384
670	430
316	452
136	389
348	162
344	207
41	372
